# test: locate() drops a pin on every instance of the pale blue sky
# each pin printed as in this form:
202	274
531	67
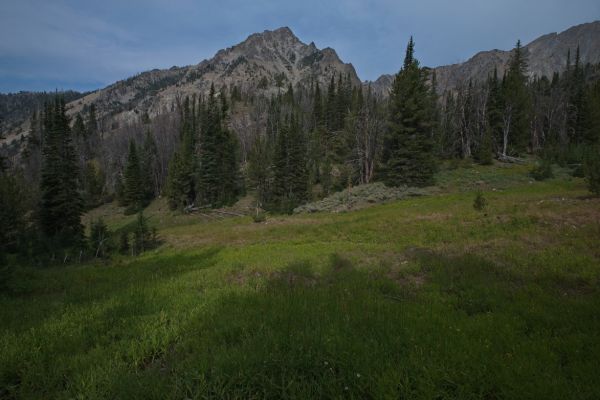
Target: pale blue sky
83	45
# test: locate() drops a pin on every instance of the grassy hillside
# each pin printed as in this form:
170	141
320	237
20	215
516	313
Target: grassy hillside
420	298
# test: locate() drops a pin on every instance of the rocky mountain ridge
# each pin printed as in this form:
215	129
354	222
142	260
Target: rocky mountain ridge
267	62
264	63
546	55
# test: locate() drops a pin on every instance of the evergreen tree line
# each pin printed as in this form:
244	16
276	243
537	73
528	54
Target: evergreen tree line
513	115
204	170
300	145
43	223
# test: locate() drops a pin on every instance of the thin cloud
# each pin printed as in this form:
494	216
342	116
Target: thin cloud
87	44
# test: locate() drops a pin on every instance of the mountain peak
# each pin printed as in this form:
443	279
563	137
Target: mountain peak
282	34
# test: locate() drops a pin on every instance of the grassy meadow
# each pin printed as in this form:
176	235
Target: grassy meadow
425	298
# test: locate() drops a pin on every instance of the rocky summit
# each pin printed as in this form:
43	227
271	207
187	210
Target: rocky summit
264	63
546	55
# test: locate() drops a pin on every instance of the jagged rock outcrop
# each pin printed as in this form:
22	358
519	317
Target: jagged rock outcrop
264	63
267	62
546	55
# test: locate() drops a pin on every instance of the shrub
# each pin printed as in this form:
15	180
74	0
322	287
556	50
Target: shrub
259	217
142	236
591	167
124	243
99	238
480	202
542	171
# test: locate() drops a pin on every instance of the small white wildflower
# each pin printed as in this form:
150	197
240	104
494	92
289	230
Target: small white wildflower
326	363
358	375
346	388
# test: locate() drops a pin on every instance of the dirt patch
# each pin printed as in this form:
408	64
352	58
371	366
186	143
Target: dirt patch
292	279
413	280
157	360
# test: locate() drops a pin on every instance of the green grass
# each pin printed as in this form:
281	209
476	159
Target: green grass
421	298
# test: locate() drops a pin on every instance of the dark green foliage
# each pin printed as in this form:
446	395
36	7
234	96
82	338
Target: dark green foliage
124	242
576	107
591	169
92	122
99	238
591	115
290	181
259	216
149	167
134	197
495	110
15	108
79	129
218	176
408	148
260	171
120	191
181	182
484	153
542	171
480	202
93	180
142	235
13	208
61	205
516	102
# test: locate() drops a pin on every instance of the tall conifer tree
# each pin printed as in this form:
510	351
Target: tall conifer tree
61	204
408	150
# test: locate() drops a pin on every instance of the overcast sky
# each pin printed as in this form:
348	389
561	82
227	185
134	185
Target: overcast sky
85	45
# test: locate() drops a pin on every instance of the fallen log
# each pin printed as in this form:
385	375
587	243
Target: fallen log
510	159
229	213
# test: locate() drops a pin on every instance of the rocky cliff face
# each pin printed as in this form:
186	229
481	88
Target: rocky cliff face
546	55
264	63
267	62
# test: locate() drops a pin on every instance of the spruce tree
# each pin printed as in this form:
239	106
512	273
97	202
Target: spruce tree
61	204
181	181
133	192
290	181
408	149
517	104
149	167
79	129
495	109
92	122
218	179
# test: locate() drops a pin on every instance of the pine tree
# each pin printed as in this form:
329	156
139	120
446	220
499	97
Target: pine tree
576	102
517	104
218	179
408	149
181	181
92	122
495	109
61	205
12	213
591	115
133	192
79	129
149	167
260	172
93	184
290	181
317	113
141	235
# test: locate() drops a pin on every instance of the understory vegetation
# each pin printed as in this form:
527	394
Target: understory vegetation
424	297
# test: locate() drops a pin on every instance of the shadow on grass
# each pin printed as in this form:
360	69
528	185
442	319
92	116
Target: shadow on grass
470	331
